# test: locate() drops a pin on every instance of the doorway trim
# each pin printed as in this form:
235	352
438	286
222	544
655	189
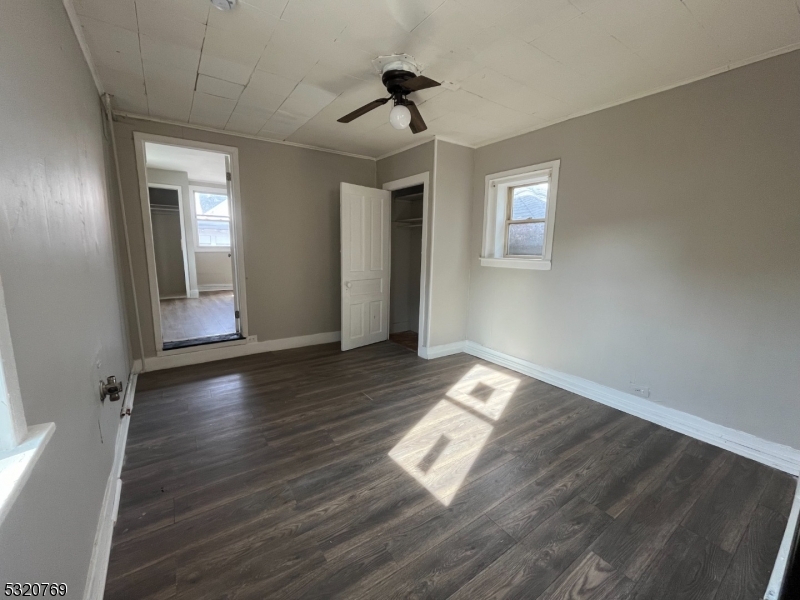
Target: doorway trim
424	285
239	278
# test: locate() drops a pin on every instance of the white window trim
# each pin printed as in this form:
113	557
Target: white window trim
20	445
205	189
496	207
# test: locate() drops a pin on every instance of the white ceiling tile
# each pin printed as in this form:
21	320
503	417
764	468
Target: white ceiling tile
747	28
169	91
245	23
131	103
674	44
246	119
514	95
317	15
306	100
125	87
620	15
282	124
344	58
218	87
226	56
221	68
451	27
194	10
163	20
272	7
174	55
265	91
570	38
293	50
112	46
489	12
121	13
211	111
531	20
333	81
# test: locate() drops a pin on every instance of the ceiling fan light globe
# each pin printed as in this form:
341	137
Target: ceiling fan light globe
400	117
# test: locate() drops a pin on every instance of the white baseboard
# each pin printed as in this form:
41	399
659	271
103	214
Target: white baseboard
222	287
156	363
439	351
778	577
744	444
98	566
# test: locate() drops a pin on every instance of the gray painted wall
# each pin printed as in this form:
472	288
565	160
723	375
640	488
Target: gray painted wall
290	209
57	259
214	269
451	243
676	256
449	218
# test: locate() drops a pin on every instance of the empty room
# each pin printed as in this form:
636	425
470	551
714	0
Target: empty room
371	299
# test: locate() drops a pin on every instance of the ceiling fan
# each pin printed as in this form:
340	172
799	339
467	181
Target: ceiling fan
400	75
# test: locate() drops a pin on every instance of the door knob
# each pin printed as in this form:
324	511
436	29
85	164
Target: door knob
111	388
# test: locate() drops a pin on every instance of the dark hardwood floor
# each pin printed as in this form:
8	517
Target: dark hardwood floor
313	473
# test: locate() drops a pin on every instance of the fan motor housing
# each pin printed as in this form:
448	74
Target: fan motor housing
394	80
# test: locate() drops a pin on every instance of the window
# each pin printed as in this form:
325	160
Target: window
520	217
213	218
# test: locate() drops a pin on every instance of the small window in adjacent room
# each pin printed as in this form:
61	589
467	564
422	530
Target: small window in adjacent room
213	220
520	217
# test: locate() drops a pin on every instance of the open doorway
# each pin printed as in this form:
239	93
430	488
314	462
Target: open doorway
190	209
406	253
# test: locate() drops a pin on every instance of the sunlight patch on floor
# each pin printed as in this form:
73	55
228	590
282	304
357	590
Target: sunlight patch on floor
441	449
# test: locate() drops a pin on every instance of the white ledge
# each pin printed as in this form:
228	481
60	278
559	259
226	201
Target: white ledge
517	263
16	464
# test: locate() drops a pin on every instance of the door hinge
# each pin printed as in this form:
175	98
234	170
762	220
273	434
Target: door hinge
236	314
228	176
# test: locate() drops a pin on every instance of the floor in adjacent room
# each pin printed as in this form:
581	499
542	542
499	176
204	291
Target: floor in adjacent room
408	339
312	473
211	314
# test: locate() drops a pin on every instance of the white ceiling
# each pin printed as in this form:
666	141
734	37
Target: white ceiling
201	165
287	69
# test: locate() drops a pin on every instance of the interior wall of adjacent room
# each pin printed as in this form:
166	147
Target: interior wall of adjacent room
405	272
676	256
168	253
180	178
290	213
62	289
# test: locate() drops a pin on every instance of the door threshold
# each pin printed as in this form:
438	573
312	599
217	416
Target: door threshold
203	341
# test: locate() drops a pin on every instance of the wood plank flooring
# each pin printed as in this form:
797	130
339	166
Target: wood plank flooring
270	476
189	318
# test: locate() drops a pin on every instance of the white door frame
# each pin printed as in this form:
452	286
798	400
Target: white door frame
184	247
139	140
424	286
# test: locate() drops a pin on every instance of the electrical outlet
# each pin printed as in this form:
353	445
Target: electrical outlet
252	338
640	390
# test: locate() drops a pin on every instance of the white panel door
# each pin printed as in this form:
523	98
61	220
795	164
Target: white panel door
366	225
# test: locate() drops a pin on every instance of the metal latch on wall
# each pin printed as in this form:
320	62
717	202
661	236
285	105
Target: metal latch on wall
111	388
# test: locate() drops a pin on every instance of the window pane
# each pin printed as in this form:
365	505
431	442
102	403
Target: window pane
529	201
213	232
213	205
525	239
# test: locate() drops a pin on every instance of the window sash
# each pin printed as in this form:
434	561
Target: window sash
510	221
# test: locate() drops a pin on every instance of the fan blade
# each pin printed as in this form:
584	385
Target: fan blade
417	123
420	82
364	110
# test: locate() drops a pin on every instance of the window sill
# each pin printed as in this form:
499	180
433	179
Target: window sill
213	249
517	263
16	464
